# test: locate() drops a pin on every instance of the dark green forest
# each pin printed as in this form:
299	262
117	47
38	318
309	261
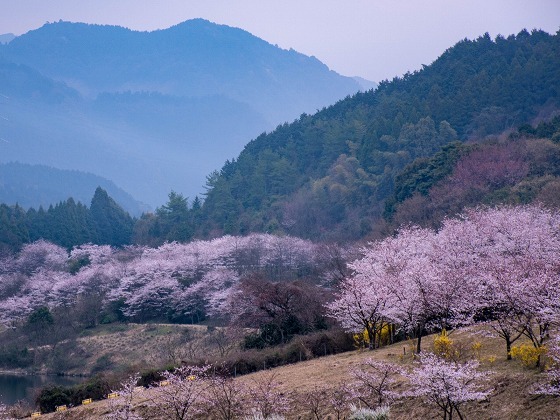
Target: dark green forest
328	175
68	223
479	126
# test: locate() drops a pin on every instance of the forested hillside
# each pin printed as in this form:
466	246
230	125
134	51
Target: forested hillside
328	175
67	223
151	111
513	171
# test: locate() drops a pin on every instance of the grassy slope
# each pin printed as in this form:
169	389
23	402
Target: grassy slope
134	347
511	381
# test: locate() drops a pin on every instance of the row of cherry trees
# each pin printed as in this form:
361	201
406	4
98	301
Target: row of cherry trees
500	266
187	280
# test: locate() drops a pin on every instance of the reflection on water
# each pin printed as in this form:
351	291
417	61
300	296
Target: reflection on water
15	387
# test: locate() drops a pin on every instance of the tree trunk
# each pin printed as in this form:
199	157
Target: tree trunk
371	336
419	340
508	348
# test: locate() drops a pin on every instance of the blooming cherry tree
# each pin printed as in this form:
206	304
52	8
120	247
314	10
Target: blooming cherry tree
374	383
181	395
447	384
552	384
517	278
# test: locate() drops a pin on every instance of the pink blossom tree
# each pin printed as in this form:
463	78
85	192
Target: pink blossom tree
225	398
174	281
518	282
552	384
447	384
393	282
360	304
266	399
374	383
121	408
181	395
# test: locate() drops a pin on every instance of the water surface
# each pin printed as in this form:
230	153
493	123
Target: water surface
14	388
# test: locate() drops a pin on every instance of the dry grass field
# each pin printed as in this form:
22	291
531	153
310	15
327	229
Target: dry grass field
135	347
511	381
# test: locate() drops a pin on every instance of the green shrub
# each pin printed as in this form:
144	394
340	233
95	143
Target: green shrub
103	363
51	396
15	357
150	377
300	348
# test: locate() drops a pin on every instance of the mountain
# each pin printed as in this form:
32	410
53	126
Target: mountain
39	185
328	175
152	111
6	38
195	58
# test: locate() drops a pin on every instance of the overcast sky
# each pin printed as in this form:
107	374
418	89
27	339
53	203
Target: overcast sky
373	39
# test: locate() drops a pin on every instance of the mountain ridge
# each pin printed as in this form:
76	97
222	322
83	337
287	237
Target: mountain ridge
41	186
204	52
152	111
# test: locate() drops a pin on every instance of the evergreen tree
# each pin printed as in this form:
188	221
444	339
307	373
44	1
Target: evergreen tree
174	219
13	229
113	224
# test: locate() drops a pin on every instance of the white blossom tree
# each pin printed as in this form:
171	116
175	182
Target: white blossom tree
266	399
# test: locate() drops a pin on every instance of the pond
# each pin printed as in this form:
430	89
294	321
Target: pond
14	388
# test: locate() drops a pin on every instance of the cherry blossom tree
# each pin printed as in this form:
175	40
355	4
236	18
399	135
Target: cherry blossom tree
172	282
121	408
360	304
518	271
375	382
225	399
41	255
552	374
181	395
394	281
266	399
4	412
315	402
496	265
447	384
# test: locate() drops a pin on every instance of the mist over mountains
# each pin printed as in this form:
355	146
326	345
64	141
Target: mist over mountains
40	186
151	111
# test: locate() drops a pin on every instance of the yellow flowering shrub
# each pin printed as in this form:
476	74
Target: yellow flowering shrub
476	347
444	347
527	354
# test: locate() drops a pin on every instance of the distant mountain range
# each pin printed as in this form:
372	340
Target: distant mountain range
40	186
152	111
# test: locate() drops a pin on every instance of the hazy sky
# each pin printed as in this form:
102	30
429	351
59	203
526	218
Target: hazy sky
375	39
